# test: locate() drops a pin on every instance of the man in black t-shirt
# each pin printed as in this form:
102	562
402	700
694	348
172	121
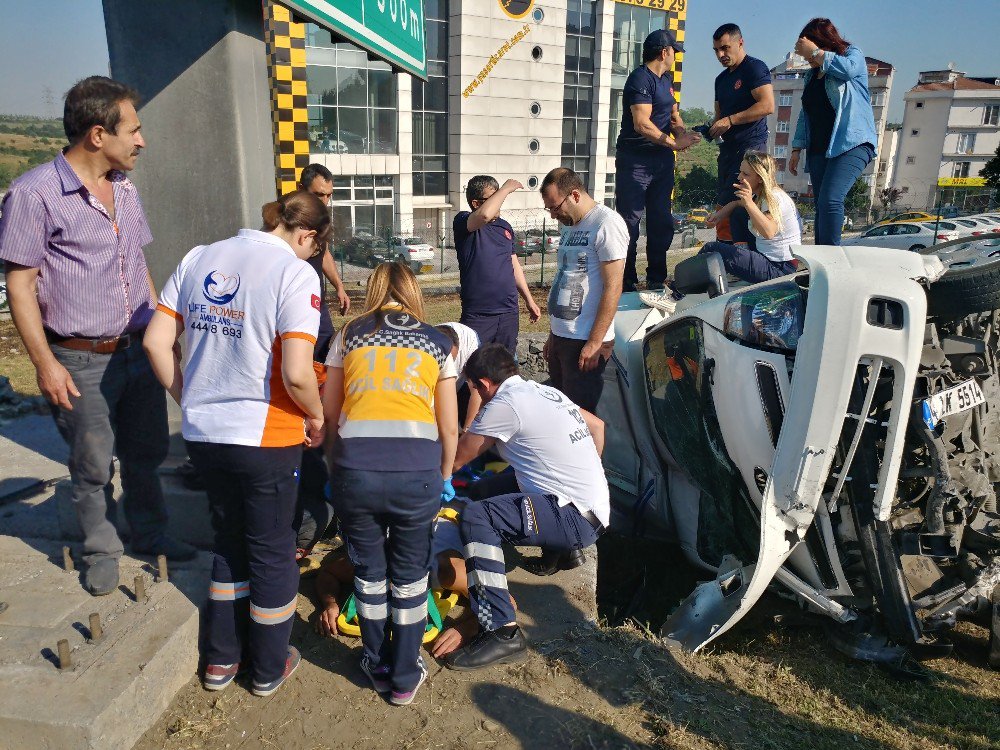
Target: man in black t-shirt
490	274
652	129
744	98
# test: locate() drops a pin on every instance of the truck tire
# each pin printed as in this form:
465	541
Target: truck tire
971	283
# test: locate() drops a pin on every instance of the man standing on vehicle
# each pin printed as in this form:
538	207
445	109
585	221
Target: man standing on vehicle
490	273
651	131
744	97
584	296
72	234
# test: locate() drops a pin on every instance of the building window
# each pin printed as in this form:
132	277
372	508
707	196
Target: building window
781	176
632	25
430	107
960	168
780	151
919	105
361	205
991	115
578	86
785	99
878	98
782	126
914	132
351	100
966	143
609	190
911	160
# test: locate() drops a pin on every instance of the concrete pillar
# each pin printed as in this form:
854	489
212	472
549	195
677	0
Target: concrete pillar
201	69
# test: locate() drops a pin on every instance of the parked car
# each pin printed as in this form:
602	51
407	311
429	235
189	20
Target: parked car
698	216
365	250
908	216
411	249
680	222
904	236
975	226
535	238
811	433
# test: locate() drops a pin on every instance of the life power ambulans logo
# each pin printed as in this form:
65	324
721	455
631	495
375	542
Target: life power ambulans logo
316	301
516	8
219	288
738	85
402	321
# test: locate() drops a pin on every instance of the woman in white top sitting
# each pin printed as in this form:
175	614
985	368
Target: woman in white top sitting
774	223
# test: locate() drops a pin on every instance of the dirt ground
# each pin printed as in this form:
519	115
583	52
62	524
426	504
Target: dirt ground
772	682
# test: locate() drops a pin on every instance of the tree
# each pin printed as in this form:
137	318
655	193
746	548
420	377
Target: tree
991	171
857	200
888	198
696	187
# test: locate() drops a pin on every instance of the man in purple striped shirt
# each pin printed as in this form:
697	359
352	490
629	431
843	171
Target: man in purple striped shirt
71	235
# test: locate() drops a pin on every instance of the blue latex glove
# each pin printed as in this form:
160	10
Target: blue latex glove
447	492
328	492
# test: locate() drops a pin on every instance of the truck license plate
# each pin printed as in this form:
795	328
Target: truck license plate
952	401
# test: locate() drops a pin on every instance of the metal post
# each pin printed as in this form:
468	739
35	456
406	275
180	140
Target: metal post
140	589
96	631
161	569
65	655
541	272
937	215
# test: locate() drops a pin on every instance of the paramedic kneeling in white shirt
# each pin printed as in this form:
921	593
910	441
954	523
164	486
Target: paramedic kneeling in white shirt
554	448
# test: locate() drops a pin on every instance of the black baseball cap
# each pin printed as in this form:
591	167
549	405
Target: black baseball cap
661	39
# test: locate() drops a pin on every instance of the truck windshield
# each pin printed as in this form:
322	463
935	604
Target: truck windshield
678	381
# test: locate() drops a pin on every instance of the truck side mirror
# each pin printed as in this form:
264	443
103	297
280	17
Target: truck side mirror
701	273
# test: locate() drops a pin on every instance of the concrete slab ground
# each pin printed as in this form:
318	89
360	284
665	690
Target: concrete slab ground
119	685
31	454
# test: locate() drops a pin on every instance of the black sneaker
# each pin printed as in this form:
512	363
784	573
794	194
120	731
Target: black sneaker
552	561
505	645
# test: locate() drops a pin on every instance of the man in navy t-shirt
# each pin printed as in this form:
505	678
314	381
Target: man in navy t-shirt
744	98
651	131
490	274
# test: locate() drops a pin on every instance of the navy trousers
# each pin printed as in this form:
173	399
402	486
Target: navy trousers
832	179
747	264
498	328
517	518
644	182
251	496
388	519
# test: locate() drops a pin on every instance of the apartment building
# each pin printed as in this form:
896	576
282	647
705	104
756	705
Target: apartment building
789	81
951	128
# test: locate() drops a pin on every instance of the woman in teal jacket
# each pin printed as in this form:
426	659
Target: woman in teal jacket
836	126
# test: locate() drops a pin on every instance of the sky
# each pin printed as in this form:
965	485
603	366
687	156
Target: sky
47	45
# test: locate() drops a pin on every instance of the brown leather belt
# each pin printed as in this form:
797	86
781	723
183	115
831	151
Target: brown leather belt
98	346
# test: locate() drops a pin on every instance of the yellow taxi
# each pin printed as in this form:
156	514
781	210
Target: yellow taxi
698	215
909	216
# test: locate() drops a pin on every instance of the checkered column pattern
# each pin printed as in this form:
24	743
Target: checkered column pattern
675	23
286	72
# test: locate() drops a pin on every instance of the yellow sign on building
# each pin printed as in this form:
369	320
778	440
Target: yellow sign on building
961	182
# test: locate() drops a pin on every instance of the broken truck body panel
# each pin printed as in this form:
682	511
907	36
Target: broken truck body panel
749	410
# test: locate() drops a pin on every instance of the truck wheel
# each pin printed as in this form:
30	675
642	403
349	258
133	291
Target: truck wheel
971	283
917	248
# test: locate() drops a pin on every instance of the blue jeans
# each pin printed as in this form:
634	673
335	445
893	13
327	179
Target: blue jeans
255	580
387	518
832	180
747	264
644	182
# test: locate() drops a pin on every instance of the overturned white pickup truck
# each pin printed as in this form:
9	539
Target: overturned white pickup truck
834	433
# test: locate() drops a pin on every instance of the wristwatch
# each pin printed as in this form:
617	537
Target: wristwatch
815	52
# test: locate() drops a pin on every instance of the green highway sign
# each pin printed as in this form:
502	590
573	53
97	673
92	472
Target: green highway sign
390	29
